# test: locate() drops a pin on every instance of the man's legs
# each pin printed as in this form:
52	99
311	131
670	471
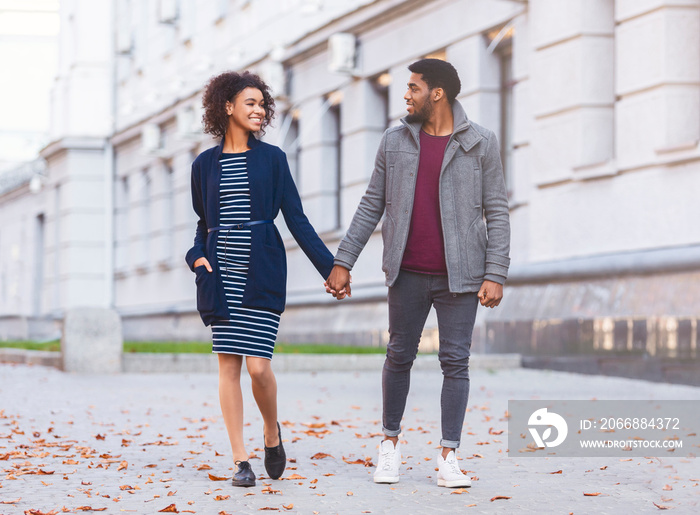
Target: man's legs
456	313
409	304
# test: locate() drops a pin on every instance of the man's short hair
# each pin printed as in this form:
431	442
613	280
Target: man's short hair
439	74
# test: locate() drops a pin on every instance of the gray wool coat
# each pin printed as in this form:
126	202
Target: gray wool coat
473	204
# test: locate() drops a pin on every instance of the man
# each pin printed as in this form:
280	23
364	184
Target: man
436	176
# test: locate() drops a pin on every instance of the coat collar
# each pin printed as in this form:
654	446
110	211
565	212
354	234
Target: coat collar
253	142
463	131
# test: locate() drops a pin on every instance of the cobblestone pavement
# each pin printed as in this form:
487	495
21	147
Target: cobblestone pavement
142	443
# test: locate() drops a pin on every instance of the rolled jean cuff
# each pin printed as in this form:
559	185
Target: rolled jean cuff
391	432
450	444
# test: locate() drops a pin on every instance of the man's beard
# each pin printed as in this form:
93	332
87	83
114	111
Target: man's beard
423	114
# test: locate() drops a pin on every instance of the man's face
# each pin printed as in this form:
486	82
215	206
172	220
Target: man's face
417	98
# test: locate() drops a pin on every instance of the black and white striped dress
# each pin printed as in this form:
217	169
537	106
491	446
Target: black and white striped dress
248	332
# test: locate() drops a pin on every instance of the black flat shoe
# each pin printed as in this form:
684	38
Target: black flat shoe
275	458
244	475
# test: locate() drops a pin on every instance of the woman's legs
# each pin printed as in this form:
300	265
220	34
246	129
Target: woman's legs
231	400
265	393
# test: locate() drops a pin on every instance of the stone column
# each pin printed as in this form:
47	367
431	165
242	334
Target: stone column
92	341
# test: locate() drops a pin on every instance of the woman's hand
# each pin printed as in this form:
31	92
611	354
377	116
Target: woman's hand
203	262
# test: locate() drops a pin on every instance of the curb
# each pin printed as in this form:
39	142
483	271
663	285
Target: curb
140	363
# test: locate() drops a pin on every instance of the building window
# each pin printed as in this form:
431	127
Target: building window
507	84
336	133
381	88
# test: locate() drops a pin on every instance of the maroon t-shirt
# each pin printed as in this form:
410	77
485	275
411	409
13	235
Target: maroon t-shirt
425	250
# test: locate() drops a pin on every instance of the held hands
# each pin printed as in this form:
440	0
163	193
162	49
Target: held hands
338	283
490	294
202	262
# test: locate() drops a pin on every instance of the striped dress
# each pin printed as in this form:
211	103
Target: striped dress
248	332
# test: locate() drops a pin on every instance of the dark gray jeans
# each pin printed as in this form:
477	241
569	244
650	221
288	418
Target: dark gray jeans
410	300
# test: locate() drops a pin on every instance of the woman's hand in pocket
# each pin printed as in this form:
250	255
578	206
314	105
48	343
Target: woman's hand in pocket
203	262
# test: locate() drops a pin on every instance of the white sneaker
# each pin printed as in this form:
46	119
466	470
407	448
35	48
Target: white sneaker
449	474
388	463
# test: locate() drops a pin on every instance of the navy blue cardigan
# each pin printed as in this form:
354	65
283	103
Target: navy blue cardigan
271	189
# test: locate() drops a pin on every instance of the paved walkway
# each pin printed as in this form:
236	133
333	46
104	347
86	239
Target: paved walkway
141	443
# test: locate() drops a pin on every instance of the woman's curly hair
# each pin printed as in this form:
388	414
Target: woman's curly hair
224	88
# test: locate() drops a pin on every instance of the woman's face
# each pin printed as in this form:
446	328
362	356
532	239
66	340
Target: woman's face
247	110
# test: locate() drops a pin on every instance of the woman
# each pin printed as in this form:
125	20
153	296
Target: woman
238	188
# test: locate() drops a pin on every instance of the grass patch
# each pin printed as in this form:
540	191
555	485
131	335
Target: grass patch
204	347
54	345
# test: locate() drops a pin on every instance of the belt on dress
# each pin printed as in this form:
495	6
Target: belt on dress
240	225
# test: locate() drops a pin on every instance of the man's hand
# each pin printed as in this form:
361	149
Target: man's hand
202	262
338	283
490	294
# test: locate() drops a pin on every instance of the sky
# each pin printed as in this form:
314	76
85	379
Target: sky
28	66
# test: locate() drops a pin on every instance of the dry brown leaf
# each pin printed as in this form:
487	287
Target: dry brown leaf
222	512
39	512
499	497
593	494
204	466
350	493
492	431
314	481
270	508
470	505
171	493
11	502
169	509
123	466
459	491
89	508
604	467
288	507
269	490
222	497
217	478
294	476
126	487
315	425
667	487
320	456
661	506
557	472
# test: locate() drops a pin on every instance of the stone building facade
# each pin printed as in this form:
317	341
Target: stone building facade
596	103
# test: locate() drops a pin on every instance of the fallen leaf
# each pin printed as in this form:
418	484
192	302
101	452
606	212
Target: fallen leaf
594	494
492	431
499	497
459	491
11	502
270	508
269	490
667	487
204	466
350	493
470	505
217	478
288	507
320	455
294	476
557	472
89	508
604	467
661	506
222	497
123	466
169	509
